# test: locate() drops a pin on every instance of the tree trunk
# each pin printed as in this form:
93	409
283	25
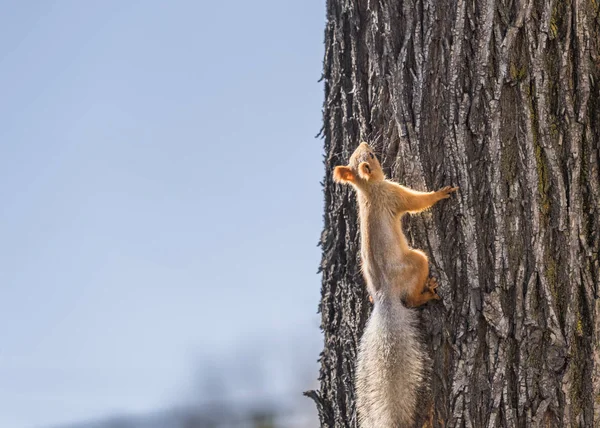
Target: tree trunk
502	99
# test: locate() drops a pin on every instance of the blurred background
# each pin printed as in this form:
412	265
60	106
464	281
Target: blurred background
160	213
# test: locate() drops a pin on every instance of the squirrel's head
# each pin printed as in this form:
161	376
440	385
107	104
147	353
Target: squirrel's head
363	168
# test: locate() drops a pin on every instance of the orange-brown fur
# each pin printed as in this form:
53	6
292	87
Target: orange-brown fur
389	265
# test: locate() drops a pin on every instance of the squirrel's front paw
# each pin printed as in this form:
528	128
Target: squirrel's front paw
444	192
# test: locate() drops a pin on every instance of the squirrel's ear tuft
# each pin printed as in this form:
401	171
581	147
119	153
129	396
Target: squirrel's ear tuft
343	174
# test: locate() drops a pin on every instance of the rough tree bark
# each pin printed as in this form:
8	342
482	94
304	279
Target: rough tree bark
502	99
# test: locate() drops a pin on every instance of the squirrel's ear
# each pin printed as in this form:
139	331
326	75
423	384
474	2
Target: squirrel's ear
364	170
343	174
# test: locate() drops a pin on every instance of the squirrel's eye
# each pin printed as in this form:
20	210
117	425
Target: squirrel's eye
372	155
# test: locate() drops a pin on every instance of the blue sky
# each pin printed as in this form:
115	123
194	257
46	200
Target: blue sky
161	204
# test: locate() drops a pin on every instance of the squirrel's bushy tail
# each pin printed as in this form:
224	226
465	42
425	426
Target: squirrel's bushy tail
390	368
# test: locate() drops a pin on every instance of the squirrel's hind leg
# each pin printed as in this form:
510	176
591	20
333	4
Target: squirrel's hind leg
422	288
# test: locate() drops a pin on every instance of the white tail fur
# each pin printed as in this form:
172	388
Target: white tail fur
390	367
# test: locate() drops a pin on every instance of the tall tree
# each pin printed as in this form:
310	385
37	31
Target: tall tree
502	99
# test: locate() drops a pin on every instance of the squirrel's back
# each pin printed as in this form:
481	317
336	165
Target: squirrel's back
390	367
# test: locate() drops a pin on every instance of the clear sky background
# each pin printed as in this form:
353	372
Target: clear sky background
160	202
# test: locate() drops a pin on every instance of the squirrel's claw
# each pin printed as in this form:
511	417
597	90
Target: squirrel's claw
445	191
431	287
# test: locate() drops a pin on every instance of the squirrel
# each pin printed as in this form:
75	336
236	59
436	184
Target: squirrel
391	361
